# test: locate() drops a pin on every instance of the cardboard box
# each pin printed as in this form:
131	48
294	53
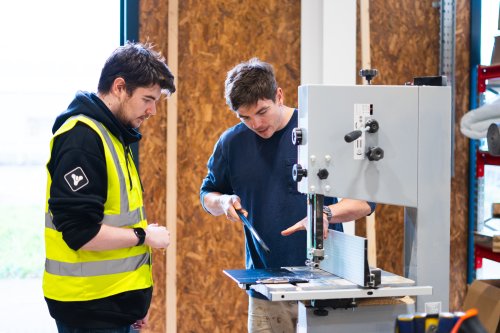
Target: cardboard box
484	295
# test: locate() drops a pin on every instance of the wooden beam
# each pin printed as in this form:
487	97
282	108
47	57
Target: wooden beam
171	192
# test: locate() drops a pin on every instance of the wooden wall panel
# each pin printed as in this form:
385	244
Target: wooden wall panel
214	36
152	156
459	185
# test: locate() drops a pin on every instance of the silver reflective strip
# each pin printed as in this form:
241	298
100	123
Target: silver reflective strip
121	220
118	220
48	221
96	268
121	176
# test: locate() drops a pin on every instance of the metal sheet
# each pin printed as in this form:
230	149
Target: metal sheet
273	275
253	231
346	256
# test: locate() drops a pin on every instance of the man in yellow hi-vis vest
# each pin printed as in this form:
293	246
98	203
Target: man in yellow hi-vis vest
98	242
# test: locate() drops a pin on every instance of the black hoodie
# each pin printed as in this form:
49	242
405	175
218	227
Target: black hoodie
77	214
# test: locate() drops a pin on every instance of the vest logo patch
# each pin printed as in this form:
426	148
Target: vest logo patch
76	179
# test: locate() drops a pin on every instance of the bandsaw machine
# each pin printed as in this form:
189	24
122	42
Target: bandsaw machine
385	144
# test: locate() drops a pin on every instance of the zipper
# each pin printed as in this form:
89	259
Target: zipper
127	152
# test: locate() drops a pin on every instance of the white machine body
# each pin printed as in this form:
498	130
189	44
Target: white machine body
414	171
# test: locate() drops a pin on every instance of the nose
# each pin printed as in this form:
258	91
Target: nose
255	123
151	111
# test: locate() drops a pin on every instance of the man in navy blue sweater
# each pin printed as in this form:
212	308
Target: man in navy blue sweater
251	169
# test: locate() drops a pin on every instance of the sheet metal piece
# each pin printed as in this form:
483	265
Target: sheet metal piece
346	257
253	231
268	275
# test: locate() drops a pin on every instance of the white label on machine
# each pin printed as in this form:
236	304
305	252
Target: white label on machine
361	115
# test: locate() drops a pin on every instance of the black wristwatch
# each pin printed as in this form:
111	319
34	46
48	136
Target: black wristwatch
141	235
328	212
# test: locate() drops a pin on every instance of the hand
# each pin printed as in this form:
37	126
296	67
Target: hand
158	237
141	323
303	224
229	204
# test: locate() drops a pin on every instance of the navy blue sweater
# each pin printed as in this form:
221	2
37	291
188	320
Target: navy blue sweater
259	171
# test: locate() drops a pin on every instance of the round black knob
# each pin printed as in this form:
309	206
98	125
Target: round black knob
372	125
323	174
297	136
375	153
320	312
298	172
350	137
368	74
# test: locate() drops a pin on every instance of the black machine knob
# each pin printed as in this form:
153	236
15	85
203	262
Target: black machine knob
298	172
323	174
368	74
372	125
297	136
375	153
350	137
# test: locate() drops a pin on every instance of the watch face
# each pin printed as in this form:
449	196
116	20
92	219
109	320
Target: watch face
140	232
141	235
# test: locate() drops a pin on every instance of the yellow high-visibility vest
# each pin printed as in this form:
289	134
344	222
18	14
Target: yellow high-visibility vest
86	275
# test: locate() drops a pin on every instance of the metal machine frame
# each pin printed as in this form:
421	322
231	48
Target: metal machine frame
411	169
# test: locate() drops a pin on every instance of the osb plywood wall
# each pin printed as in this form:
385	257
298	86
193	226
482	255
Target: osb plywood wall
152	156
459	187
214	35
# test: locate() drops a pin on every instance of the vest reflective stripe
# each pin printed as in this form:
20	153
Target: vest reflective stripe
48	222
117	220
121	176
96	268
125	219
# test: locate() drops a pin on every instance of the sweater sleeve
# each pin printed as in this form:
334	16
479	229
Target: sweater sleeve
217	178
79	185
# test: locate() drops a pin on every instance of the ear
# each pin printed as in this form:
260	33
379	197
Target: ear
279	96
119	86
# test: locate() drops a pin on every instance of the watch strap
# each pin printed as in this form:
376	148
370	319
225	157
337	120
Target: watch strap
328	212
141	236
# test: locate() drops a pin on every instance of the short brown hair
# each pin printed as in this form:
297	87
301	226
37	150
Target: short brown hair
249	82
140	66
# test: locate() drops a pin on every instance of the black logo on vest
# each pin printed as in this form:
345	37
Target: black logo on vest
76	179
